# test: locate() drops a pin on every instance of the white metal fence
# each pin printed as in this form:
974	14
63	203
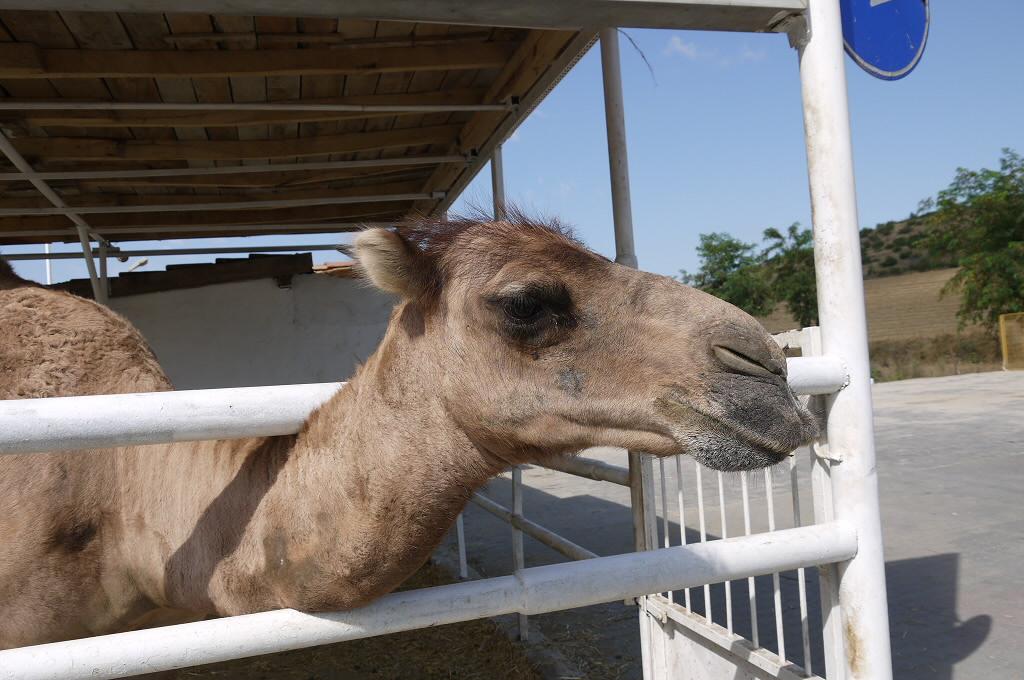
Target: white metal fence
74	423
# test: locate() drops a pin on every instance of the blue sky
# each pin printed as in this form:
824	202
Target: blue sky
716	136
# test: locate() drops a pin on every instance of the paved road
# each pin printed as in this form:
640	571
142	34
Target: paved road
950	464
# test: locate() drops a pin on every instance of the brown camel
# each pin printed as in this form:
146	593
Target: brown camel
511	343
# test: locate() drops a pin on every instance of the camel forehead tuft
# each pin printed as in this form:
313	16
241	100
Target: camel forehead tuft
477	243
437	236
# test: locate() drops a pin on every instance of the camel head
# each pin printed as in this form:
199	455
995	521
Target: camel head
536	346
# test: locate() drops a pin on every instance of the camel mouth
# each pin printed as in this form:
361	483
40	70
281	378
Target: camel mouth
729	446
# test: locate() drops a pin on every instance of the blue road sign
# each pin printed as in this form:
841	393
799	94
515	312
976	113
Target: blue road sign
885	37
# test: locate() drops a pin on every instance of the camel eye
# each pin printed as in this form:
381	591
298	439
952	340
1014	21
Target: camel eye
522	309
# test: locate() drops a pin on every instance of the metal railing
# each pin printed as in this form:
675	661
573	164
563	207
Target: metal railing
79	423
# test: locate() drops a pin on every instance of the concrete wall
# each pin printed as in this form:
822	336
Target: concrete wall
901	307
255	333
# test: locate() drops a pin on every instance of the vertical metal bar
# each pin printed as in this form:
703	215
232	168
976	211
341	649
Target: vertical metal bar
828	575
518	557
725	534
90	264
776	586
682	516
104	281
640	469
650	503
751	589
800	575
666	541
498	184
460	534
647	623
636	501
49	265
618	161
622	214
844	334
703	534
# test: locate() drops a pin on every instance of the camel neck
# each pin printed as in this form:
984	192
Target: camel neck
384	469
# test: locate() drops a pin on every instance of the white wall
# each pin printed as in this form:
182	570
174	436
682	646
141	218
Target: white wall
255	333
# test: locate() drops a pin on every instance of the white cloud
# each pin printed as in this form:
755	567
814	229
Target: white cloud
676	45
746	54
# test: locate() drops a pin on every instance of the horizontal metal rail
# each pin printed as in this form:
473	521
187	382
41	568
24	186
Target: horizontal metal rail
227	205
156	252
549	538
589	468
71	423
536	590
239	169
817	375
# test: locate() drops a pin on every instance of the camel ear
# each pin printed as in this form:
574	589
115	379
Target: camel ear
390	262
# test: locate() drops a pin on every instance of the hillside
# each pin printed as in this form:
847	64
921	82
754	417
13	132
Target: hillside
898	248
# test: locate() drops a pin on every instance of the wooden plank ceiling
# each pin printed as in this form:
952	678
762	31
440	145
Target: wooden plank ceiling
210	59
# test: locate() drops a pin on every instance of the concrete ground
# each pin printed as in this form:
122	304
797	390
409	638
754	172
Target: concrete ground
950	452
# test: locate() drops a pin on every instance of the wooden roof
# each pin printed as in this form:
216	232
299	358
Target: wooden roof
242	167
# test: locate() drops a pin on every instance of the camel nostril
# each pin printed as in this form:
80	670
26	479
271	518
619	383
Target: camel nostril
747	365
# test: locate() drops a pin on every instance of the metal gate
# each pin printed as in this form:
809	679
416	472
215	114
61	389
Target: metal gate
777	626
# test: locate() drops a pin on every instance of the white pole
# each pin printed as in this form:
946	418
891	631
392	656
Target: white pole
498	184
49	265
844	334
641	472
618	161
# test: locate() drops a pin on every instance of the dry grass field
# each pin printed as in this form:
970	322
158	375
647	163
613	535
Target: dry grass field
913	329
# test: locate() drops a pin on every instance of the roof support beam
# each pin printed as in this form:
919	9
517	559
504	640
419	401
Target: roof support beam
160	252
81	149
197	231
24	60
223	205
81	226
261	175
487	129
159	114
132	202
179	223
720	15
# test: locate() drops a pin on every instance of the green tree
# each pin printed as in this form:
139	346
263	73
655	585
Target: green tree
731	269
979	220
789	259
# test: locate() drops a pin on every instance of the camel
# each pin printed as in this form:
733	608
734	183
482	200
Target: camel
510	343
